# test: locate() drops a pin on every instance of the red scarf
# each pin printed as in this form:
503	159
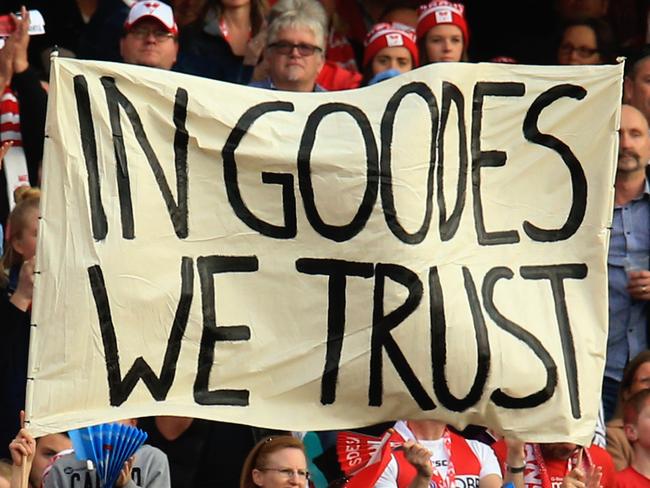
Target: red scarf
536	472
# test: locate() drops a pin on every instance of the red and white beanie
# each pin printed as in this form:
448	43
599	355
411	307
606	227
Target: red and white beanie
152	9
442	12
387	34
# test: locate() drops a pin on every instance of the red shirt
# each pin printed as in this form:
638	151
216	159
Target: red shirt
631	478
557	468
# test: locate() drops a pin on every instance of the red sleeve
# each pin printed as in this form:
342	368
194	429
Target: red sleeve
501	451
602	458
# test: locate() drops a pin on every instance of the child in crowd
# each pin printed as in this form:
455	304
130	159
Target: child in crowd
636	418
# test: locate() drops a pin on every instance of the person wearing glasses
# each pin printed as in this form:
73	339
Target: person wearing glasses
150	35
276	462
294	53
586	41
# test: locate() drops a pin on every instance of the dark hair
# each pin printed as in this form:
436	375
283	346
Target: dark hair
192	11
635	59
628	378
634	405
257	458
605	41
398	5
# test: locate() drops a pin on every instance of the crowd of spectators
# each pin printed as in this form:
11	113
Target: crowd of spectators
326	45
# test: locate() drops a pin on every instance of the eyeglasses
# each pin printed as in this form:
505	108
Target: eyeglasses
582	52
289	473
286	48
159	35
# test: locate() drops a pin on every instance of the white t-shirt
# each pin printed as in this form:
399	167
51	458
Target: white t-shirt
440	461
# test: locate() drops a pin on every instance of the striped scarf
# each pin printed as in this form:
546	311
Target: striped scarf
14	164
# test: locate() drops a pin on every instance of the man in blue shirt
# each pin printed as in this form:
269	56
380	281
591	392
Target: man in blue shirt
295	48
629	278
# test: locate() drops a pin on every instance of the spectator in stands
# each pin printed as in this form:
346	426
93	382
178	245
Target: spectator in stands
565	464
294	52
195	451
21	450
223	39
22	109
636	89
636	415
432	455
389	47
629	278
442	32
150	35
37	453
340	71
148	469
586	41
636	377
276	462
15	303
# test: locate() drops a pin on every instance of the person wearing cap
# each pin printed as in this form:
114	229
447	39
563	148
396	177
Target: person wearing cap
150	35
442	32
294	53
389	47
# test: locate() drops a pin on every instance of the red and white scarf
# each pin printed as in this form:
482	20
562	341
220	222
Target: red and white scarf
536	472
14	164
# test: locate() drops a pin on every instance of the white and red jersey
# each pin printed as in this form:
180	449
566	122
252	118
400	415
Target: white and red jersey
471	461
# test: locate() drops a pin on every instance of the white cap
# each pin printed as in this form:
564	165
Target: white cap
154	9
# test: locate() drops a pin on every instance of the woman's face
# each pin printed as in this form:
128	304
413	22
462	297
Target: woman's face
397	57
578	46
25	242
641	380
286	468
444	43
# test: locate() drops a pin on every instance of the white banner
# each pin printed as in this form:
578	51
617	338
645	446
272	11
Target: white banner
432	246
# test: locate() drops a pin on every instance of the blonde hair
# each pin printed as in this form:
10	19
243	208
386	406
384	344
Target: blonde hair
27	199
258	456
5	469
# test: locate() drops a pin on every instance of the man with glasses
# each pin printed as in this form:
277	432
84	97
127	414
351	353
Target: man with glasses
295	49
150	35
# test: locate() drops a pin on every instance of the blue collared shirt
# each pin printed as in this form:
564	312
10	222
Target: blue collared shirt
627	317
268	84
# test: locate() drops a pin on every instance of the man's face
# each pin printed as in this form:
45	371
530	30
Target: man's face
294	68
148	43
634	141
46	448
637	88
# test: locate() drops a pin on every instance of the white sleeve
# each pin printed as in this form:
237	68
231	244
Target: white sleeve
388	478
487	458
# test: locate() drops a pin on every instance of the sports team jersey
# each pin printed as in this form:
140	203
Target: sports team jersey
630	478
